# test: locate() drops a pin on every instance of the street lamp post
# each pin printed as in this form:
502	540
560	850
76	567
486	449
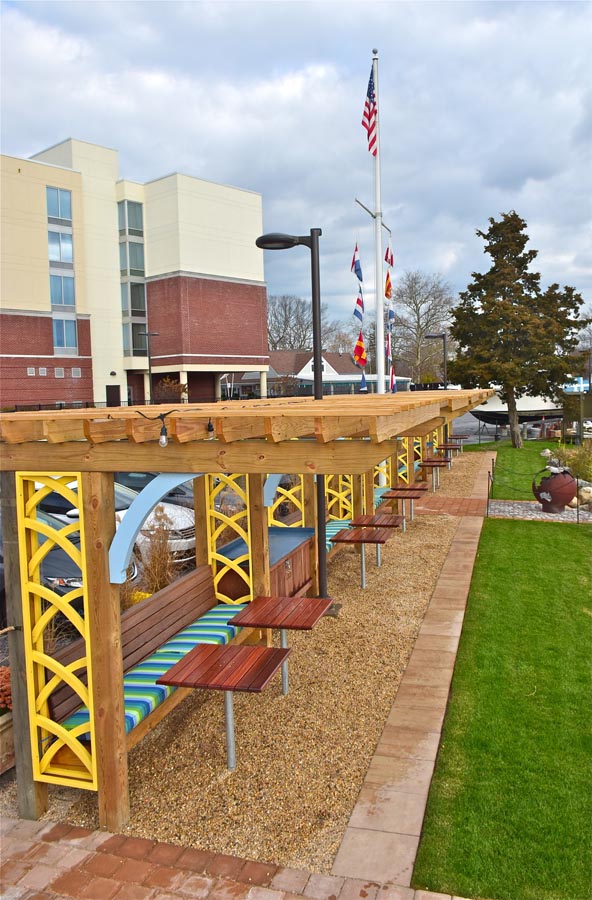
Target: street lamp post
148	335
276	241
441	337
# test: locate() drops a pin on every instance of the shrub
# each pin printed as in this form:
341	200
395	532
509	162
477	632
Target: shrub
5	690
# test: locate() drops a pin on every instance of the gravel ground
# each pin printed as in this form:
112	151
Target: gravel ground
301	758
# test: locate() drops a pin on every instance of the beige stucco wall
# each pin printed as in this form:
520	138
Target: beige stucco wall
195	226
99	242
24	256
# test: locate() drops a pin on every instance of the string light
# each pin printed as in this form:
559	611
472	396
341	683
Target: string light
163	439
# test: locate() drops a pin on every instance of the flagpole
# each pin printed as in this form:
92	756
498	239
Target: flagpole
378	241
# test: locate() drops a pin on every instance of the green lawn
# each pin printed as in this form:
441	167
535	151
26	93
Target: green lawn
515	469
510	809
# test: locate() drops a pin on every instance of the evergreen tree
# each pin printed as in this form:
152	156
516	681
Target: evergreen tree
508	331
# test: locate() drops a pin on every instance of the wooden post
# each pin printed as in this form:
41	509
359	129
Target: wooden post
31	794
260	576
310	519
98	511
200	506
357	496
369	491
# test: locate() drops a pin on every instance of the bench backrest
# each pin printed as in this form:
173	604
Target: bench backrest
144	628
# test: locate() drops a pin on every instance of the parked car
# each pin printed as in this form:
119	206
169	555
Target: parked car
181	528
59	572
182	495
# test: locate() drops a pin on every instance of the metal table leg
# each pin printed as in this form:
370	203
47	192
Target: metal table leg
363	564
229	721
284	645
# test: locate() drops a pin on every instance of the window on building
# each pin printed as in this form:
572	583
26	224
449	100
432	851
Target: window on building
43	371
76	373
61	290
59	204
30	370
60	247
130	218
58	373
136	258
64	334
139	347
138	299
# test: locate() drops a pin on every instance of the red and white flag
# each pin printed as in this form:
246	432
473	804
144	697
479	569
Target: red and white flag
389	257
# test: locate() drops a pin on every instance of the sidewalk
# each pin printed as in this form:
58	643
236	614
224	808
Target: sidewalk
45	861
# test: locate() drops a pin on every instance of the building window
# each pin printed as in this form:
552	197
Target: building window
59	204
58	373
60	247
130	218
77	373
133	299
131	258
61	290
64	334
138	342
30	370
43	371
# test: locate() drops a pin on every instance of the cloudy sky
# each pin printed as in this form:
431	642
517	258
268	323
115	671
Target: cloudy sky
484	107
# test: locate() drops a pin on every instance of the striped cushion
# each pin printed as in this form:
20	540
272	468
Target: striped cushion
141	694
333	527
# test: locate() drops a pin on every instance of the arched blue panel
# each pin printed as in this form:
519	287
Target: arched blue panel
272	483
120	551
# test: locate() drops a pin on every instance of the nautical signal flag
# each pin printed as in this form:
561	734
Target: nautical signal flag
356	266
370	114
389	362
359	307
360	357
388	286
363	385
388	256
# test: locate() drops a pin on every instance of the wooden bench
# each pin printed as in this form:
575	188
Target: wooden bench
145	628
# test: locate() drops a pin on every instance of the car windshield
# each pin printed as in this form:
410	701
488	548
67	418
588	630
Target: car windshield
59	506
134	480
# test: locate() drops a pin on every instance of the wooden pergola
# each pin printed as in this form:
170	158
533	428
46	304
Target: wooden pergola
340	434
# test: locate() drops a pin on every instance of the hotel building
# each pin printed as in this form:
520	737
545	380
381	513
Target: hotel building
108	282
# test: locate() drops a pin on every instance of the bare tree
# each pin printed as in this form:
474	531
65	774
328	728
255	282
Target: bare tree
289	324
422	305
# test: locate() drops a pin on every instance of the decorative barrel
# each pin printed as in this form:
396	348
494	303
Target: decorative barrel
555	491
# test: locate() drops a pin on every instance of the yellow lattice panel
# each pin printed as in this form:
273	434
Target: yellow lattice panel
290	498
339	497
227	520
46	614
402	459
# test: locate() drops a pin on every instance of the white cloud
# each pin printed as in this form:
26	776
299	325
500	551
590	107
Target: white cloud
485	107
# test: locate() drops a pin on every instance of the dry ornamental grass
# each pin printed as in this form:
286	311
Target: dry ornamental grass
301	758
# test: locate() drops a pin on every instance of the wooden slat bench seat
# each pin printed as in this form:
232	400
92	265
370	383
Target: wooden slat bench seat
155	634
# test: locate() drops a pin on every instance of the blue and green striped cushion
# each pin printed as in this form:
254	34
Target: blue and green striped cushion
141	694
333	527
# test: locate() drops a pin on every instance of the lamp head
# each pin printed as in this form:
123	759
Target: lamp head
278	241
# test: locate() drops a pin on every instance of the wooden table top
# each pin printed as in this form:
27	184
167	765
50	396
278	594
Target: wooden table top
432	463
362	536
294	613
416	486
230	667
377	520
449	446
402	495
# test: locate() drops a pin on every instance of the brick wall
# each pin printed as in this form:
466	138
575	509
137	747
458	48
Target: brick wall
202	321
33	336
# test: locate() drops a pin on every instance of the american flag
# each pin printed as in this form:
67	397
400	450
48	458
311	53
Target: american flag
369	117
356	266
360	357
359	308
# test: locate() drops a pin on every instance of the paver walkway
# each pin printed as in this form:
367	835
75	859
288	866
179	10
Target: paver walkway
45	861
